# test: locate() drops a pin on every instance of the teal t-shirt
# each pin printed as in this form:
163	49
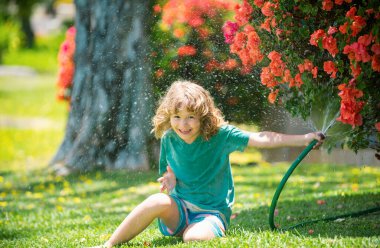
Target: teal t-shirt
202	168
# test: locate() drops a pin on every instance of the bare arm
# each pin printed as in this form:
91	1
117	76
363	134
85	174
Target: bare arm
273	140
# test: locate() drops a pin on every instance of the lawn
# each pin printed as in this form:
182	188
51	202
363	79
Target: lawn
38	209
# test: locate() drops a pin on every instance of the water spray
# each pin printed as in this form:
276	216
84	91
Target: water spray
282	184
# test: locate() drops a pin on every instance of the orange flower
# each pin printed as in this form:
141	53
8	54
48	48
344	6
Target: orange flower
267	9
266	24
243	13
349	107
267	78
301	68
329	68
287	76
186	51
273	96
239	42
179	33
174	65
259	3
230	64
277	66
314	71
298	80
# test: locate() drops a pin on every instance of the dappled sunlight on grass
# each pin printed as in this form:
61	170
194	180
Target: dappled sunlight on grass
95	203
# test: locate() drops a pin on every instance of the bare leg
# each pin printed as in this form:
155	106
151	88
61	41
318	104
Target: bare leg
156	206
202	230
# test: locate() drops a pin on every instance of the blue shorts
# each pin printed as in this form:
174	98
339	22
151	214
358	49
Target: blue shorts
187	217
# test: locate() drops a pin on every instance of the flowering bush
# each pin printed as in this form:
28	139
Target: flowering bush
66	66
189	44
309	50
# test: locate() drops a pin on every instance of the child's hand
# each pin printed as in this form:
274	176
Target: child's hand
319	136
168	180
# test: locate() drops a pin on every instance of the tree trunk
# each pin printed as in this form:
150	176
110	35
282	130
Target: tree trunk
111	107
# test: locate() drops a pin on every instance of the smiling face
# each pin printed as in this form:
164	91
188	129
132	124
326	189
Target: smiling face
186	124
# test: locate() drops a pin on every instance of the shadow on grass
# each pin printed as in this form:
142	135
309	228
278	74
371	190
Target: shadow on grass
120	178
291	213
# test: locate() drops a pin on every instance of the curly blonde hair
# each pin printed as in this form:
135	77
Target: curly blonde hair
193	97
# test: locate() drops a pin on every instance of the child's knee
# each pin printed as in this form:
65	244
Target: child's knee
198	232
159	200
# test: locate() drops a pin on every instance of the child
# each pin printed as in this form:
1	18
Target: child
195	168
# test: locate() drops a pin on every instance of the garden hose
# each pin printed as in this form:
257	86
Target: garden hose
282	184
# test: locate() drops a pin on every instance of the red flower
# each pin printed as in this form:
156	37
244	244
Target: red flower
301	68
229	31
314	37
329	43
243	13
351	13
357	51
159	73
376	62
357	25
327	5
376	48
366	39
355	69
186	51
157	8
377	126
212	65
308	65
329	68
343	28
258	3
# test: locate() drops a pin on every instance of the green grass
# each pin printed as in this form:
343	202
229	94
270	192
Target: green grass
31	97
42	58
38	209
